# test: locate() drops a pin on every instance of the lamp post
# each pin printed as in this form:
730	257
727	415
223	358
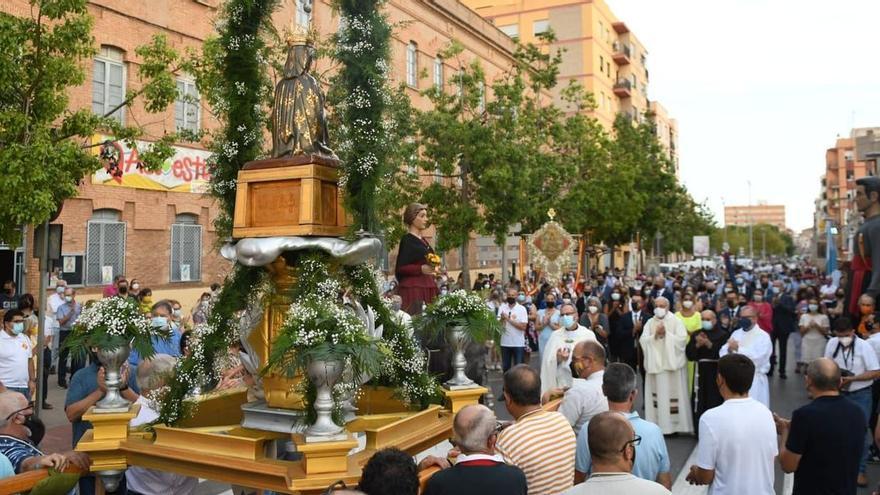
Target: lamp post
751	239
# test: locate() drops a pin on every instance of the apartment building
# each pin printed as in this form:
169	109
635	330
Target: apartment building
755	214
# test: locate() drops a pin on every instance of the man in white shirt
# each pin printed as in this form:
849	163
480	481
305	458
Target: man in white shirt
859	367
585	398
667	399
753	342
612	443
403	318
16	367
556	360
54	301
737	445
515	319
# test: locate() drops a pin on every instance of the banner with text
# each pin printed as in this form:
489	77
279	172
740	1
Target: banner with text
185	171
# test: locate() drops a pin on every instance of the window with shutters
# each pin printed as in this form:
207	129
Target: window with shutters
108	83
186	249
187	107
105	247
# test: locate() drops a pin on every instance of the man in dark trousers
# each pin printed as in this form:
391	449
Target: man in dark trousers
785	320
822	443
627	331
703	349
478	470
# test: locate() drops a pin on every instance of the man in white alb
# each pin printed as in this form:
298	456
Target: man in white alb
667	400
556	361
753	342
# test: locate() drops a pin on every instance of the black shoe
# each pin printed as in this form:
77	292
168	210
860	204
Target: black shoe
52	370
783	376
62	385
47	406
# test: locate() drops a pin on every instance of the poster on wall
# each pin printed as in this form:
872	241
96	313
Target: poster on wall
701	246
184	273
106	275
69	265
185	171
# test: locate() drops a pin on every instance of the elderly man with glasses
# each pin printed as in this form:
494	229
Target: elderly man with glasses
613	444
15	439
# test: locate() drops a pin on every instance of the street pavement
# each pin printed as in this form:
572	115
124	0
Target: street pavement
785	397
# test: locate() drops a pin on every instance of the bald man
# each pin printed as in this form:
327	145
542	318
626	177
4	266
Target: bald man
667	399
612	442
753	342
585	398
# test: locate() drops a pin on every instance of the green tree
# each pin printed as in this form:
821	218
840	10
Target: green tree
43	157
765	237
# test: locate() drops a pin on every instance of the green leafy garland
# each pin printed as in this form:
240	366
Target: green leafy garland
362	46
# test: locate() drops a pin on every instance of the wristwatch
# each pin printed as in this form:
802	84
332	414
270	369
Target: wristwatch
123	389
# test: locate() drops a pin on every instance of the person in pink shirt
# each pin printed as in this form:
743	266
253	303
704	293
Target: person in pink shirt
764	311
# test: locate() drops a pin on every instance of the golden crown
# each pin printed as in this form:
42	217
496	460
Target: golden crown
298	34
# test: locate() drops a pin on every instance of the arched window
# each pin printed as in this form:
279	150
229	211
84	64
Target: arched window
186	248
105	247
108	83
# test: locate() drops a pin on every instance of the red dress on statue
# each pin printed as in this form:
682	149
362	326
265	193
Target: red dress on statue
413	286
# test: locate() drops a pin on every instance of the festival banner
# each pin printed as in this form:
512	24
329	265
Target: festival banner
185	171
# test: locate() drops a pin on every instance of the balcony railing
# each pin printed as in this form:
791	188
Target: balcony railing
622	54
623	88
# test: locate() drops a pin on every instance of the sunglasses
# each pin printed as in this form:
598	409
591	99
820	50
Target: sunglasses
634	442
12	415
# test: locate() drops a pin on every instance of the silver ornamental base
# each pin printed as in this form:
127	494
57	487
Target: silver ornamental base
112	361
324	375
459	339
259	416
111	478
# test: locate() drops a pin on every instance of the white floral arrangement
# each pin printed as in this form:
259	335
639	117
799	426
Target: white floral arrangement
110	323
459	308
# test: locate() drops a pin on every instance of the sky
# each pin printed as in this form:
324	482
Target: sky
760	89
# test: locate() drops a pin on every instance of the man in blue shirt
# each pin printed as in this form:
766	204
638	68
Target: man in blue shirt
652	458
161	320
67	314
87	387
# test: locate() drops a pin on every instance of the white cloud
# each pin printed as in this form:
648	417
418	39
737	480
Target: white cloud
760	88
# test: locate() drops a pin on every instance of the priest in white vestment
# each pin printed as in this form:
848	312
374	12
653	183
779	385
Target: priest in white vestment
753	342
556	360
667	400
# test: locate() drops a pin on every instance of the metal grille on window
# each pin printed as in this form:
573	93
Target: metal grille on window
105	252
186	252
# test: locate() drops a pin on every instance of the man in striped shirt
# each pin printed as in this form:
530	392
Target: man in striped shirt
540	443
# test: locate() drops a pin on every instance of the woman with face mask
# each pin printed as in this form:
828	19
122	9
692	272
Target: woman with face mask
814	327
690	318
595	320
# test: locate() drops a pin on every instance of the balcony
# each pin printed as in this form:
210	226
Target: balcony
622	54
620	28
623	88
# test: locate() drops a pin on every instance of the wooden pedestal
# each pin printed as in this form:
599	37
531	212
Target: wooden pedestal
457	399
103	441
297	196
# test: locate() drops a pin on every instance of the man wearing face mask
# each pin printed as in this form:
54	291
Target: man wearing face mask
161	319
627	331
822	442
667	400
17	371
585	398
703	349
67	314
555	364
613	443
785	319
515	319
8	298
731	309
16	443
754	343
859	367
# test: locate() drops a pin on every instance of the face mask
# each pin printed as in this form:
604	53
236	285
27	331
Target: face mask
775	290
687	304
813	308
745	323
135	286
521	298
59	289
68	298
707	325
567	320
176	312
742	303
159	322
846	341
615	297
444	292
395	306
731	303
123	290
511	300
635	306
739	281
566	300
758	298
574	370
18	327
660	313
36	429
593	309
